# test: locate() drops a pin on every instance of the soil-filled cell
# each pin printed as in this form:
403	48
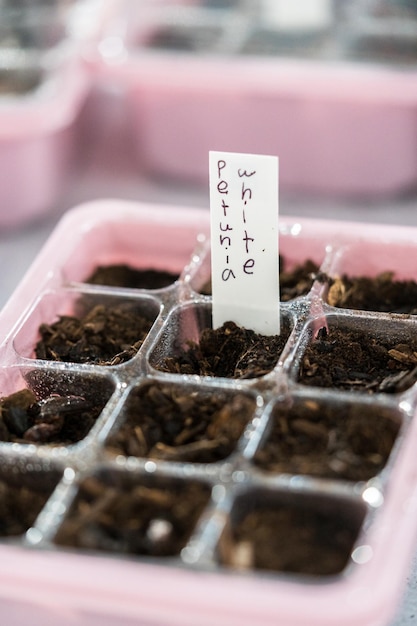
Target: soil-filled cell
371	356
117	513
228	352
55	409
350	441
179	423
22	497
313	538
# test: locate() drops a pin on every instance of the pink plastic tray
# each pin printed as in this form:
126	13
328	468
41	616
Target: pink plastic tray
340	127
38	128
37	143
43	584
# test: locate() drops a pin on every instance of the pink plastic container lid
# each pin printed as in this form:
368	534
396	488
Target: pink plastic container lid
42	584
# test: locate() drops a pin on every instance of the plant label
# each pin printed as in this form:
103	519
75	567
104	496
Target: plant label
299	16
244	240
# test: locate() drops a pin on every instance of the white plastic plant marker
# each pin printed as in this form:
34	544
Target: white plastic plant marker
297	16
244	240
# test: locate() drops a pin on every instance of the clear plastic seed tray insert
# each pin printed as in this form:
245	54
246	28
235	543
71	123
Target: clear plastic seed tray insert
246	499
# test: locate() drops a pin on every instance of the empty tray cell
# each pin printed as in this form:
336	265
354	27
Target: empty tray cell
17	81
189	345
135	246
279	29
53	408
183	38
360	354
279	42
181	423
385	47
32	27
308	535
223	4
94	329
384	31
23	494
119	512
175	27
329	439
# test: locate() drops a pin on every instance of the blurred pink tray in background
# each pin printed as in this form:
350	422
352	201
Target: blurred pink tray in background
43	584
37	143
38	123
340	127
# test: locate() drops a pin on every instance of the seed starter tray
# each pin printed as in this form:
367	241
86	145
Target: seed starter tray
177	551
44	83
237	76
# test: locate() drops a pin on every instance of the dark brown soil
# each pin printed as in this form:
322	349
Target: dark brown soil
346	441
357	361
55	419
292	283
298	281
105	335
177	423
126	276
132	518
382	293
20	504
293	540
229	351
